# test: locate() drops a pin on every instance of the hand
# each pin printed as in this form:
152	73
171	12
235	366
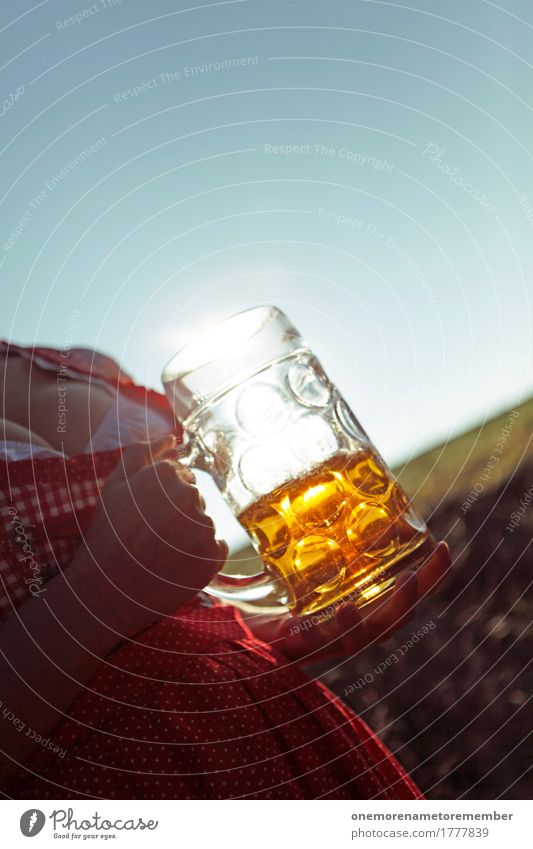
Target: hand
150	547
349	631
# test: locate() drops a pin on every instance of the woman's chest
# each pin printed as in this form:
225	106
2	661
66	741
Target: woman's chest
62	410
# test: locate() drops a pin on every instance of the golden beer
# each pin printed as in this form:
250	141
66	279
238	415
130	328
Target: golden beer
342	531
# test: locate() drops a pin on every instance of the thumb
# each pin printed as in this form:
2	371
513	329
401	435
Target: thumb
135	457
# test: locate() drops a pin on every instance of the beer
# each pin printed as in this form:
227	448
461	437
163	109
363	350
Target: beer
344	530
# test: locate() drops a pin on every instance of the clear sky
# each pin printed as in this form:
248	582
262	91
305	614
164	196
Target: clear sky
364	165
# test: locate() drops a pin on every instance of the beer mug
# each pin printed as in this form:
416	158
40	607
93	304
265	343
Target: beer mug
322	509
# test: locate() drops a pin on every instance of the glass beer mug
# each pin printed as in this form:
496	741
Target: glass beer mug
324	513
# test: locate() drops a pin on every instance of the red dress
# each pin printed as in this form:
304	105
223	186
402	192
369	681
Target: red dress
194	707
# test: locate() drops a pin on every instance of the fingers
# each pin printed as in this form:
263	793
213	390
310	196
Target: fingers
396	610
341	635
435	571
177	481
223	549
221	552
301	639
181	512
207	560
186	474
352	634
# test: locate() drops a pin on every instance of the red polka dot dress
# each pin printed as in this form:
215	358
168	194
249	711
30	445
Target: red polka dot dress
195	707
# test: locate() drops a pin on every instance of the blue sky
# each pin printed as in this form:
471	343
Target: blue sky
366	166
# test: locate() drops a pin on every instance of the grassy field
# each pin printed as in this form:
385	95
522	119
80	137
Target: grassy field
453	468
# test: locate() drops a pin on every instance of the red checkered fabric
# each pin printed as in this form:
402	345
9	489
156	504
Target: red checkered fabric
45	504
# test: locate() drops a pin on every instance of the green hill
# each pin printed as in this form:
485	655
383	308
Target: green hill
456	467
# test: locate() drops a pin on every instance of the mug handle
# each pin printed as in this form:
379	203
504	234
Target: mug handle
245	589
